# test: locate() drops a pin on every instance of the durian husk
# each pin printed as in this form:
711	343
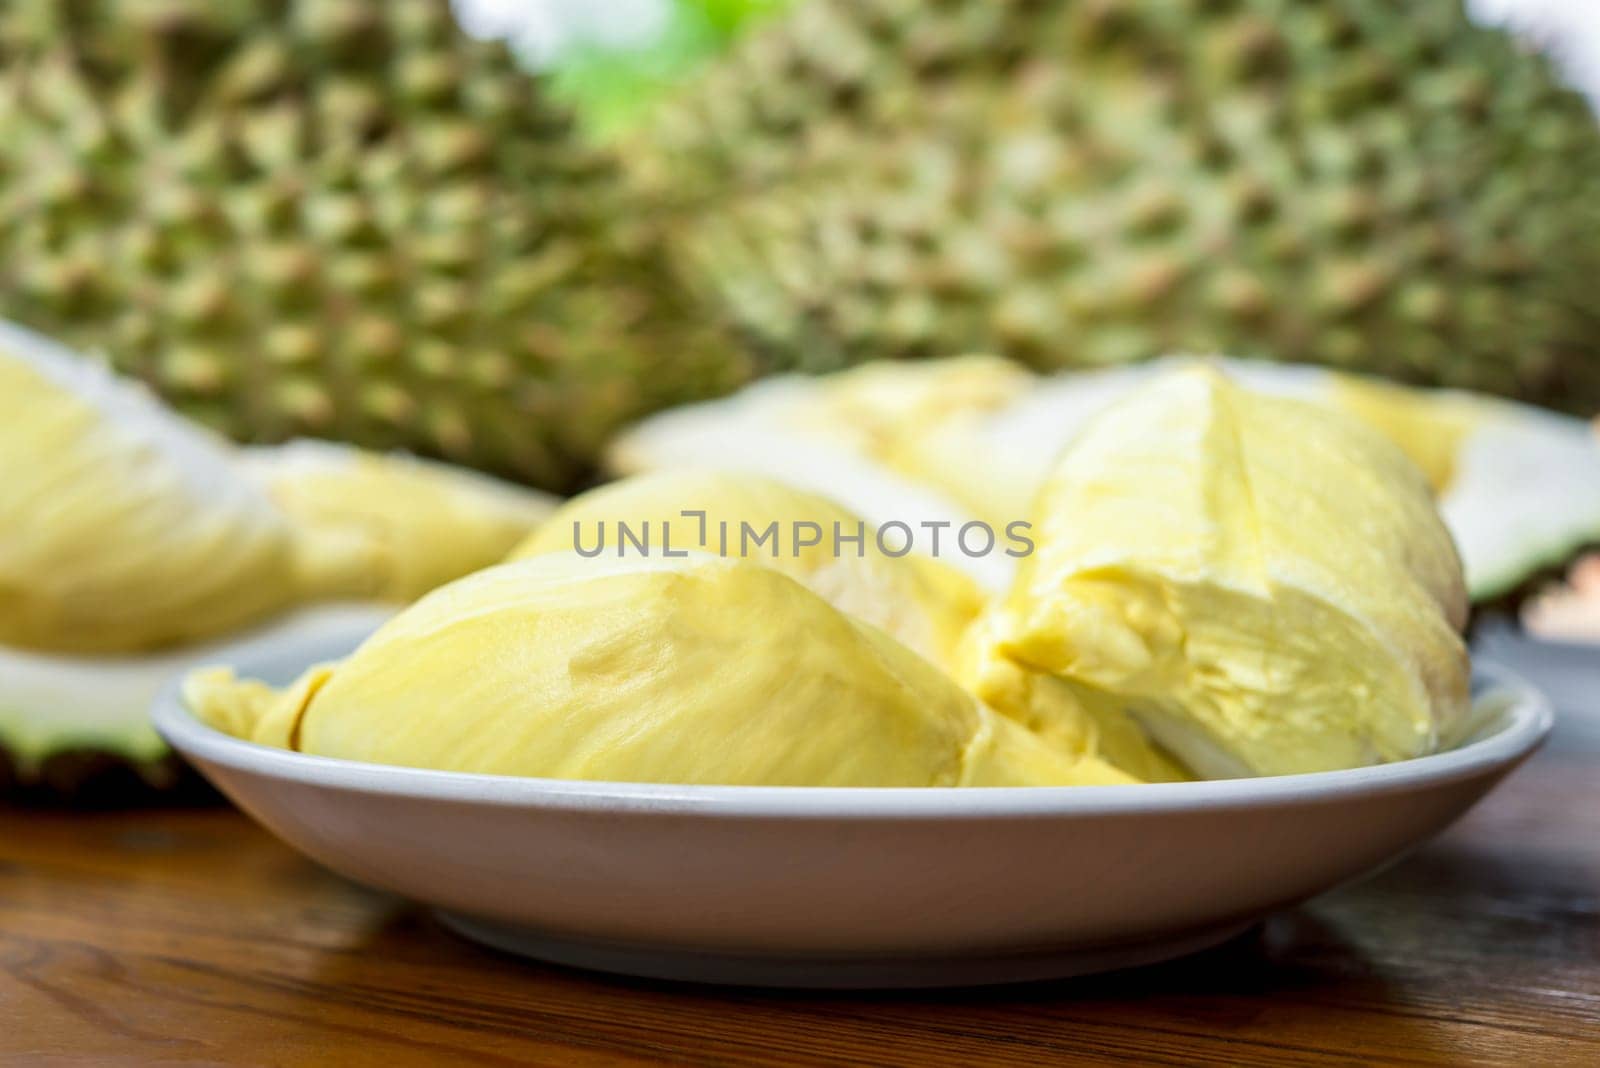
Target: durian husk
336	219
1077	184
91	778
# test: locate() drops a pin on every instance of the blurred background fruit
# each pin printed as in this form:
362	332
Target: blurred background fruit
1083	184
134	545
592	51
333	218
611	60
357	221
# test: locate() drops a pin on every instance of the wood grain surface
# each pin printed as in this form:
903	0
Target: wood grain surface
192	937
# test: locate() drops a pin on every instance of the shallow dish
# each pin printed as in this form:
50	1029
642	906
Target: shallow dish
797	886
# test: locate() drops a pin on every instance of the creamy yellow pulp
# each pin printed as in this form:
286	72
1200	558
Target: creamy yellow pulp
128	529
1430	427
390	526
1262	585
930	607
943	423
686	670
1072	719
929	420
124	529
918	599
1223	584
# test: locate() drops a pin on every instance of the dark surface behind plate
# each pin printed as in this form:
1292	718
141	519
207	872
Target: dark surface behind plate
192	937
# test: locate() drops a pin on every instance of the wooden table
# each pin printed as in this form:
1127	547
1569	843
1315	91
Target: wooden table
192	937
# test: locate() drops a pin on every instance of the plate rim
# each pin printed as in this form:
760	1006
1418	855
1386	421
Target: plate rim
1528	720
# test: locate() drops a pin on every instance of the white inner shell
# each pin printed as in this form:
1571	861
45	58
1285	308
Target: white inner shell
1525	495
52	702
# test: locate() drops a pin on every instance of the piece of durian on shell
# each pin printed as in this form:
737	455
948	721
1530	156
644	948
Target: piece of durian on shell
915	597
390	526
122	528
935	609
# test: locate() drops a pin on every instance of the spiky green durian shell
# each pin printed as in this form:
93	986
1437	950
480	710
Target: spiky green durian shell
333	218
1082	182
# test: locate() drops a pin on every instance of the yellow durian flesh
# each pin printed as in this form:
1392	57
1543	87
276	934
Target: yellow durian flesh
390	526
694	670
878	404
929	421
1429	426
918	599
1264	585
122	529
1074	721
927	605
250	709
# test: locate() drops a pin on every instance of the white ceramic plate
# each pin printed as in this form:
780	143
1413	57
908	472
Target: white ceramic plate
849	887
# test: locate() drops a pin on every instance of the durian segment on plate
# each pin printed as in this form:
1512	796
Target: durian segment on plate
914	596
1069	718
388	525
122	528
1264	586
1519	486
773	428
697	670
